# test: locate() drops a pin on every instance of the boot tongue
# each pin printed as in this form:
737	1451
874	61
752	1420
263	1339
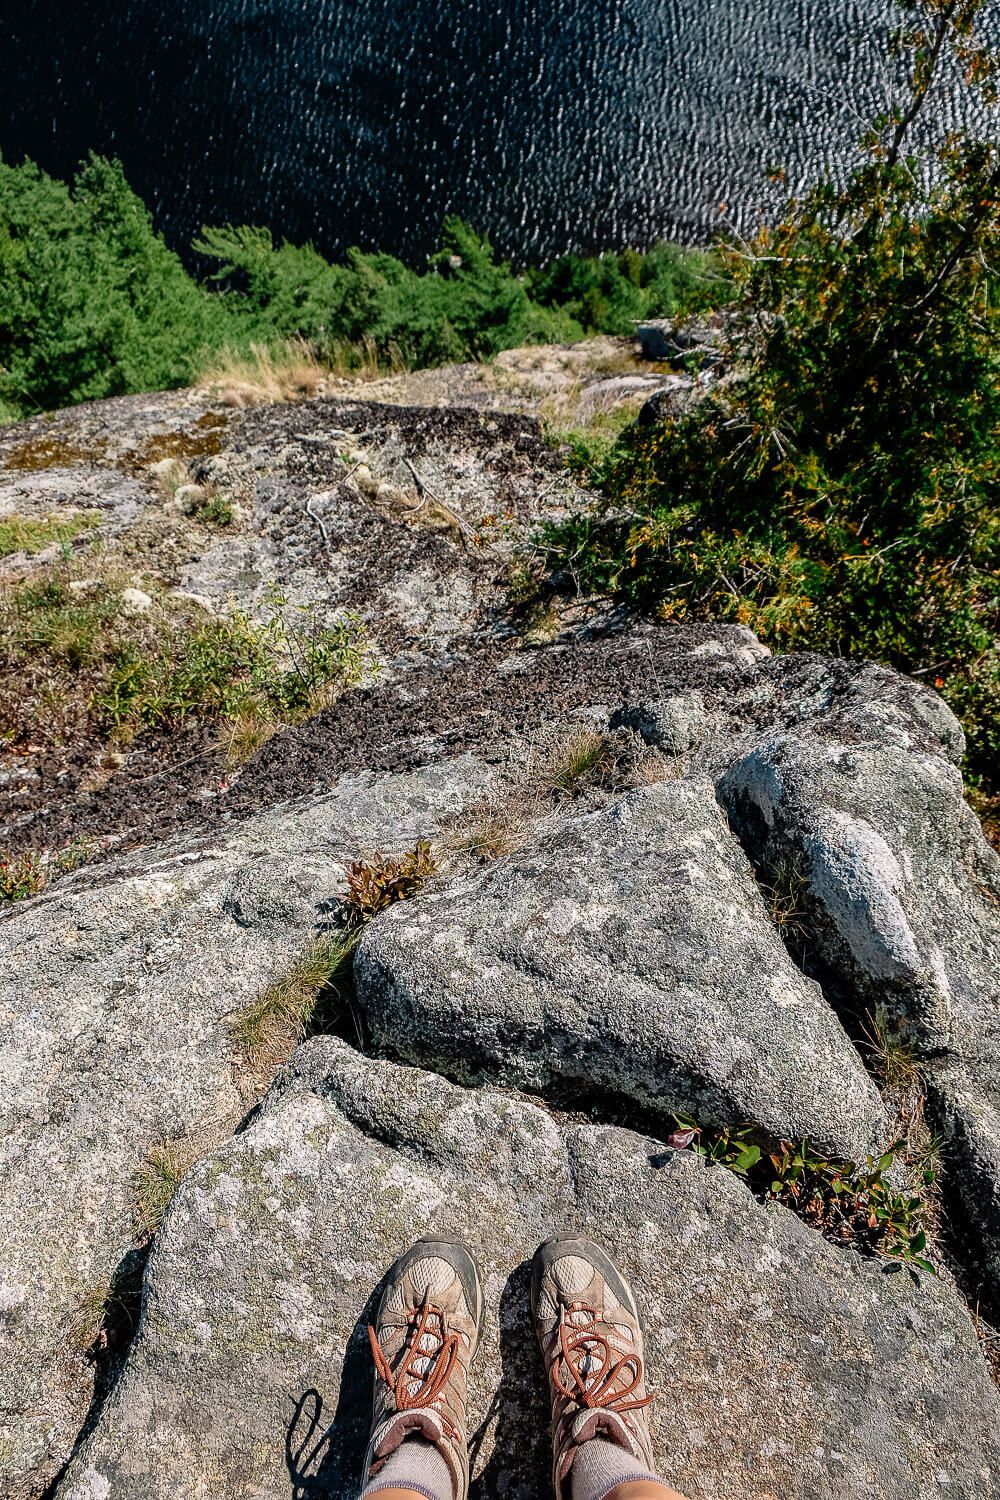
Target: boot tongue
599	1422
422	1420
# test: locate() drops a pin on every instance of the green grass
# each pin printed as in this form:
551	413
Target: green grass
156	1182
577	762
212	509
270	1029
33	534
75	661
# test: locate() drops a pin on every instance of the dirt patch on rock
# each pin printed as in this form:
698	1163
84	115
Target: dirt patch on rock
493	694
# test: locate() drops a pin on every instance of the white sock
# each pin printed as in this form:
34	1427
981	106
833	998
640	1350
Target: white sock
415	1465
600	1467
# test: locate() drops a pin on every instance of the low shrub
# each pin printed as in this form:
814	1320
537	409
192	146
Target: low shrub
77	660
861	1206
21	875
379	882
840	491
610	293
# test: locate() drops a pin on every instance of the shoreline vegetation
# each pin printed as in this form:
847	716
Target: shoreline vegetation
93	303
837	489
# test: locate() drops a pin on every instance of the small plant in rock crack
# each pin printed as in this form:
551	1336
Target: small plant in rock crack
374	884
21	876
855	1206
891	1059
490	830
155	1184
734	1146
579	761
107	1317
270	1029
785	892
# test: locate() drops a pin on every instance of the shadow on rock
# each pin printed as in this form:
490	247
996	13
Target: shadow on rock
324	1463
518	1468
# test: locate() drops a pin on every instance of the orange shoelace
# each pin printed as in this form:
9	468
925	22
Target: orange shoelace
431	1381
617	1376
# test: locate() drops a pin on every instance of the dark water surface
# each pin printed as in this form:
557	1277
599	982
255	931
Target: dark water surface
571	123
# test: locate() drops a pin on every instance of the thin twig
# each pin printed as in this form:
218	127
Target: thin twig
319	521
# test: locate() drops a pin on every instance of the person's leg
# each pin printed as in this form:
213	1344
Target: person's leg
423	1339
589	1333
642	1489
415	1469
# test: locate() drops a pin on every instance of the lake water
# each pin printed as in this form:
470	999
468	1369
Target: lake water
567	123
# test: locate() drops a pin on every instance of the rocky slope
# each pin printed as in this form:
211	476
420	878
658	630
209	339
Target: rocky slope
755	861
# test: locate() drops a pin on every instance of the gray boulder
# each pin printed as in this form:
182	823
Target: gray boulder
901	894
628	956
116	996
904	889
786	1366
673	724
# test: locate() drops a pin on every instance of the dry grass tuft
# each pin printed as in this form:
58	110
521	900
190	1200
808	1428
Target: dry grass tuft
107	1316
248	733
897	1073
270	1029
490	831
989	1342
892	1061
582	760
268	374
785	894
292	370
156	1181
653	768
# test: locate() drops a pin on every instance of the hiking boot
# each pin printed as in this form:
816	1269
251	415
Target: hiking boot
423	1339
588	1329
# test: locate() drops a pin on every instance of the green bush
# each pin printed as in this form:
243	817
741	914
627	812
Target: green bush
465	306
93	303
609	293
841	492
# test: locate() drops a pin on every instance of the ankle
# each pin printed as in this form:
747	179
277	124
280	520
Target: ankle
643	1489
601	1468
398	1492
416	1470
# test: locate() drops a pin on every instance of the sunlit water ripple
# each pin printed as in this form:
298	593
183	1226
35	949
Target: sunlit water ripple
584	123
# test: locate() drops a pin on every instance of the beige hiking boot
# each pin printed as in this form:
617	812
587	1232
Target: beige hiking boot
425	1334
588	1329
